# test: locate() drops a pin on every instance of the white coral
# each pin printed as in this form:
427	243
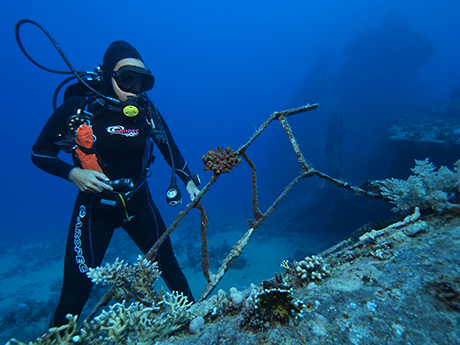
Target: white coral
137	280
177	306
311	268
427	188
153	315
139	323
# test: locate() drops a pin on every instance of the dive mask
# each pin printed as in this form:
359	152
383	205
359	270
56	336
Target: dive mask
134	79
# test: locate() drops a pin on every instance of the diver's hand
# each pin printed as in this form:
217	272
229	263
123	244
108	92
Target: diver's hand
192	190
89	180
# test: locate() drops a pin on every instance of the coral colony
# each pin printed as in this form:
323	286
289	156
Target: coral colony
427	188
272	305
136	281
309	269
220	161
154	315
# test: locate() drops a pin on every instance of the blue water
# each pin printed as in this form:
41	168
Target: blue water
221	68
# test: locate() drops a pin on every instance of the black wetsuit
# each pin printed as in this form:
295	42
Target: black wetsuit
123	145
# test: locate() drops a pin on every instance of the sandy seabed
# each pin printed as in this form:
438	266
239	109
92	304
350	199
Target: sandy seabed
31	269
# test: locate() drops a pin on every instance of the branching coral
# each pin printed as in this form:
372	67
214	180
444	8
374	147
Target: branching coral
153	315
137	323
309	269
135	281
176	305
65	334
114	322
220	161
427	188
140	324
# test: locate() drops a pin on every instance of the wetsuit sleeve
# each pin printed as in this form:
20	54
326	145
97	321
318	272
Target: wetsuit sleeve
182	170
45	150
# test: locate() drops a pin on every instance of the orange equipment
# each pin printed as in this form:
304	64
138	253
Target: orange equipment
86	153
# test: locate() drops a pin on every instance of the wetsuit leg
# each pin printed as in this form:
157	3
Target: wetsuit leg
90	232
145	228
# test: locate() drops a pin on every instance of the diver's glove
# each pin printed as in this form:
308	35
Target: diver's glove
192	189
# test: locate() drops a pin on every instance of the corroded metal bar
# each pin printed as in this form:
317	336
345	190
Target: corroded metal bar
151	254
298	110
255	198
275	116
280	197
295	145
213	279
345	185
204	242
226	264
241	244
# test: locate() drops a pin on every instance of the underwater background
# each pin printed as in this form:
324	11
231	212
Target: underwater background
221	68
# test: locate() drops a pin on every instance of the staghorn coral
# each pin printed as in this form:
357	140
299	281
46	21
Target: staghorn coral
112	324
152	316
135	281
65	334
139	324
176	306
427	188
220	161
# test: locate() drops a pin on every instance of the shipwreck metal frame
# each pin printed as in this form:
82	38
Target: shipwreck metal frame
259	216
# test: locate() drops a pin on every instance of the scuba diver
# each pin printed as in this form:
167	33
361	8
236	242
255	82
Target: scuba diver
111	172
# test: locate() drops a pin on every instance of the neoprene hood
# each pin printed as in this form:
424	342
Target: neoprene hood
116	51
